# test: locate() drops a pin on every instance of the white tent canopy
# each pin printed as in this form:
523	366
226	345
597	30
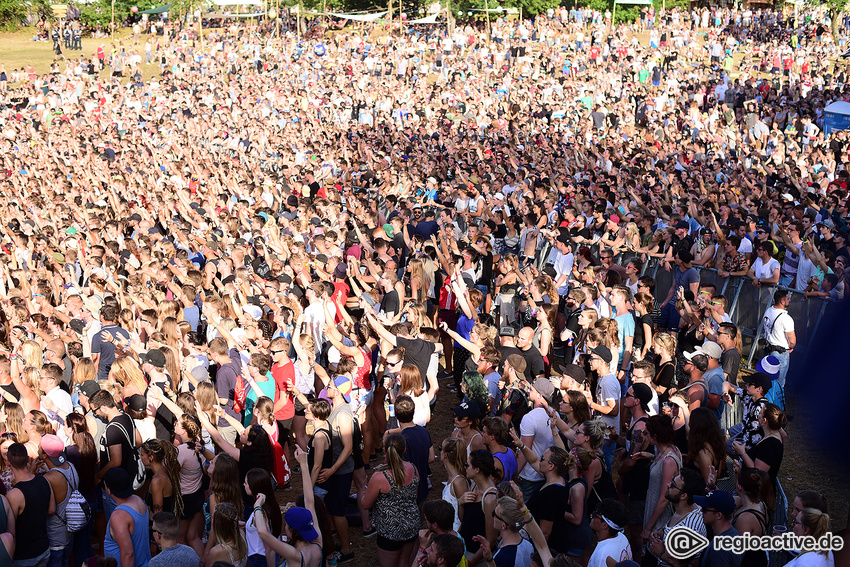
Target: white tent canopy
432	19
237	2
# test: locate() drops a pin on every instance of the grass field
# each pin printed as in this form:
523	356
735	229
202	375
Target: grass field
18	49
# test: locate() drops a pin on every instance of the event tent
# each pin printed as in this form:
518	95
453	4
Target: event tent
836	117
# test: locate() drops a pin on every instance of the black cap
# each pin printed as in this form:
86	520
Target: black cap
643	393
89	388
119	482
467	409
760	379
602	352
154	357
78	325
136	402
683	224
292	201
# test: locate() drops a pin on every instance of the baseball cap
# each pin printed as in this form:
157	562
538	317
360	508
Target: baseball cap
603	352
136	402
708	348
517	362
54	448
828	224
643	393
89	388
683	224
118	482
719	500
467	409
301	520
507	331
343	384
545	388
759	379
154	357
340	270
255	312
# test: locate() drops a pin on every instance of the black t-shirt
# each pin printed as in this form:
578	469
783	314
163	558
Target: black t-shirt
390	304
417	352
506	351
664	378
549	504
534	364
120	431
730	361
640	337
770	450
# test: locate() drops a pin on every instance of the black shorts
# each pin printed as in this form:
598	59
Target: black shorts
392	544
192	504
339	488
284	428
300	410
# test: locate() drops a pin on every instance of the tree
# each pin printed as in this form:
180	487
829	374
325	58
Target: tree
12	14
835	7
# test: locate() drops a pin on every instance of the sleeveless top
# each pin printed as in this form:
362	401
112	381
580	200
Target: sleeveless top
302	556
449	496
509	464
57	531
580	535
30	535
167	502
140	538
5	558
336	440
655	491
241	563
361	378
752	557
395	513
473	523
636	480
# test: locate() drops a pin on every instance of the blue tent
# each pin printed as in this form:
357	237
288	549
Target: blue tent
836	117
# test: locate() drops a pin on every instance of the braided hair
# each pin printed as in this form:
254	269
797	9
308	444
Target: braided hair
165	453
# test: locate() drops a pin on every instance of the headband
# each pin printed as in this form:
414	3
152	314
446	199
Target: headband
610	523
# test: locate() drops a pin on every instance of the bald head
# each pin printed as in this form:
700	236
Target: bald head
524	338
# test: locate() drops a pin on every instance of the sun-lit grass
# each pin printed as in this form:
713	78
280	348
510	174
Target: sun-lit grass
18	50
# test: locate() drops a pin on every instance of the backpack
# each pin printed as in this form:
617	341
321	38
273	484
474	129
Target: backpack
240	394
139	476
77	511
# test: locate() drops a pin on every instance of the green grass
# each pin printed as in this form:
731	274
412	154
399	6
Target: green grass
17	50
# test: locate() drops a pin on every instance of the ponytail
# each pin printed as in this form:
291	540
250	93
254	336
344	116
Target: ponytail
757	486
455	449
395	446
816	521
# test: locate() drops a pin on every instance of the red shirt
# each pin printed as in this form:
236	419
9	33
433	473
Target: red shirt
284	374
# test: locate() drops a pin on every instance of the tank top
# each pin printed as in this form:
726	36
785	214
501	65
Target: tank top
167	502
509	464
57	531
449	496
581	535
751	557
139	537
473	523
252	536
327	456
395	513
30	535
336	440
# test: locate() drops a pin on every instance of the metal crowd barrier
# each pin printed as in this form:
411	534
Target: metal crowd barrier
746	304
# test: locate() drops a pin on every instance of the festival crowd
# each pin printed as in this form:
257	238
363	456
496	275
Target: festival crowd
262	267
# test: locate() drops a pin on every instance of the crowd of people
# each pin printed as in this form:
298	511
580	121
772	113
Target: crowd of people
263	266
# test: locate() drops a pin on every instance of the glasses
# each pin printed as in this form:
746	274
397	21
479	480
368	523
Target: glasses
95	410
393	363
156	531
501	519
712	510
275	351
630	395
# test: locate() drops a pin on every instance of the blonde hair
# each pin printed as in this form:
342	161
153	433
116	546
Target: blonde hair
15	421
30	377
32	354
816	521
225	524
127	372
172	365
171	330
85	369
609	327
667	342
207	397
169	308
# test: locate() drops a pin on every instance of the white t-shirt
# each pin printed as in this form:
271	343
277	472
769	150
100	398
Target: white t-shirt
776	323
536	423
608	388
616	547
762	270
746	246
563	266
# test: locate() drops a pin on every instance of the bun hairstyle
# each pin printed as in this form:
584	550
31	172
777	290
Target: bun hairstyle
561	459
774	416
454	448
482	460
756	484
595	429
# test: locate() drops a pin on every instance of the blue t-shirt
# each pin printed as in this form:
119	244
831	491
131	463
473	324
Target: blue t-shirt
715	378
464	326
625	328
418	450
267	388
106	349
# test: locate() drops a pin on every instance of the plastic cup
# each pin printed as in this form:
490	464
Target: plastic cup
779	529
